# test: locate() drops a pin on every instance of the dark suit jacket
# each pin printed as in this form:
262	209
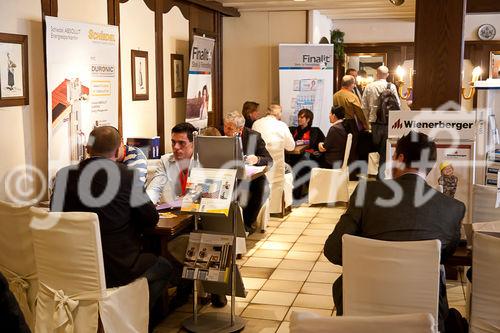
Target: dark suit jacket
437	218
253	144
335	142
121	220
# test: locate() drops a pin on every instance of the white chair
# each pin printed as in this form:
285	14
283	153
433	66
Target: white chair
373	162
73	294
331	185
485	300
483	208
386	278
17	260
306	322
288	190
153	164
263	217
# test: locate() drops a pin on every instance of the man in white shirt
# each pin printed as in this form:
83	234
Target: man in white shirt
169	180
370	104
369	101
278	138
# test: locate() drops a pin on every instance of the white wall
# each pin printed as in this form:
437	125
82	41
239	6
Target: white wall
89	11
137	31
250	51
23	133
394	30
473	22
376	30
175	41
319	26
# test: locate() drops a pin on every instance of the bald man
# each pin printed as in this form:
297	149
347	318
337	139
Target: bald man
370	103
109	189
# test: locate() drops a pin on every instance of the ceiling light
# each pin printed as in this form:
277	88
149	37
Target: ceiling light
299	0
397	2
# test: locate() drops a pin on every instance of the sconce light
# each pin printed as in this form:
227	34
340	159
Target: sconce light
364	81
400	73
476	73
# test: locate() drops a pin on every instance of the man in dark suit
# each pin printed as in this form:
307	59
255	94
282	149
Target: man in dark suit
413	216
256	153
333	148
114	192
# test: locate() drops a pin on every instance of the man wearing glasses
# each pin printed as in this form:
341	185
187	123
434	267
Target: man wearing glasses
169	181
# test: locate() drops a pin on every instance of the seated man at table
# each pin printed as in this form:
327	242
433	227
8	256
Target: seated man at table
122	216
418	213
133	158
253	195
169	180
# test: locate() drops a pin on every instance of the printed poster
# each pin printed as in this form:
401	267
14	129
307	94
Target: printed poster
306	81
452	172
82	85
208	257
199	92
209	190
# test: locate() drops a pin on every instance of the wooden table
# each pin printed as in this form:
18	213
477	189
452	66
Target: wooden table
168	228
298	150
461	257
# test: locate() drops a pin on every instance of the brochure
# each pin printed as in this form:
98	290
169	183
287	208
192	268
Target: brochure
208	257
209	191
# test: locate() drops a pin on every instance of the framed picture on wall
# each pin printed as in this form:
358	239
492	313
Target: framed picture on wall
140	75
177	75
495	64
13	70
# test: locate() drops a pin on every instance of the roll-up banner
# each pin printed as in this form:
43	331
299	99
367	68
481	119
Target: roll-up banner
199	92
306	81
82	86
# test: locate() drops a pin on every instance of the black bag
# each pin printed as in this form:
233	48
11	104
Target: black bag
387	101
455	323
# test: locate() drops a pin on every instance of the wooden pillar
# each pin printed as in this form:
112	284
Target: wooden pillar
439	47
160	101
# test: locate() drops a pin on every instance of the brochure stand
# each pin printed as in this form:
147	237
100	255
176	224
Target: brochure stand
220	322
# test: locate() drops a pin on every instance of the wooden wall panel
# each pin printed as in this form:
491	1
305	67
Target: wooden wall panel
397	53
438	52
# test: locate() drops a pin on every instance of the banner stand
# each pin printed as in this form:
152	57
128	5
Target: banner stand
220	322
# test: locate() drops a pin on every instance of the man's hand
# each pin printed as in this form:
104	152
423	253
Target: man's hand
321	147
252	159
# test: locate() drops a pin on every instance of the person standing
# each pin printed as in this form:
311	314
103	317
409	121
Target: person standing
357	90
355	121
370	104
278	138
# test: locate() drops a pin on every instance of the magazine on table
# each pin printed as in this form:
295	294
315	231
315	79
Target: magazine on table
209	191
208	257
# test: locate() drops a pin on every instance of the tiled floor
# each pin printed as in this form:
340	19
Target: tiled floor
284	270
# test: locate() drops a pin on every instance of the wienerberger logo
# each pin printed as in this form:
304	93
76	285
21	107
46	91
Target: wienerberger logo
397	124
431	124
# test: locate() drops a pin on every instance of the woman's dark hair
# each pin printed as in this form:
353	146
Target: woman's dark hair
338	111
308	114
205	89
414	146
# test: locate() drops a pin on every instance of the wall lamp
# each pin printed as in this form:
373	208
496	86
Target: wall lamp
476	73
400	73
